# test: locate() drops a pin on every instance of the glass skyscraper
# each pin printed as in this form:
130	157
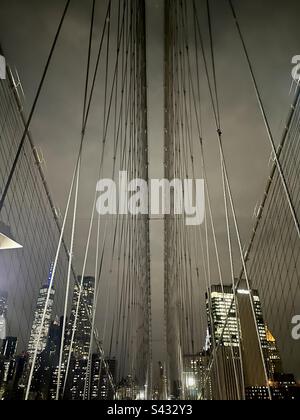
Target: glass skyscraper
9	347
37	322
234	339
3	314
77	374
100	387
82	337
222	306
3	303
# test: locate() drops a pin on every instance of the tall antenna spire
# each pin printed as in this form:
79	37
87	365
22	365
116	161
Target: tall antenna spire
50	274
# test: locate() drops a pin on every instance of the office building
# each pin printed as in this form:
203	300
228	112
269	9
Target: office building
3	303
191	377
101	375
205	385
7	364
3	314
254	350
37	328
234	334
221	306
9	347
47	361
82	338
127	389
273	356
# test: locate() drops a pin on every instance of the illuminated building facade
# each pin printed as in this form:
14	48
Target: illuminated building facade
273	356
196	377
3	314
82	338
222	307
101	388
233	332
9	347
3	303
81	346
37	322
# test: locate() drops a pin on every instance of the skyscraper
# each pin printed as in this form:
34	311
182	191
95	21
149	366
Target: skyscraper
46	365
3	314
197	381
82	338
205	385
233	331
274	358
37	321
54	341
223	306
81	345
101	388
3	303
191	377
254	350
7	364
2	327
9	347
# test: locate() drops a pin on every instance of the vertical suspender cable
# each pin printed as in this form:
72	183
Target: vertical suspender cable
225	173
217	118
50	288
87	106
75	210
224	168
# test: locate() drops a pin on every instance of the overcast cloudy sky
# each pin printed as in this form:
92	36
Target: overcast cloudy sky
272	32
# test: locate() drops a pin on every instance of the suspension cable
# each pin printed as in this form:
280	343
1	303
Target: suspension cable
266	122
33	108
224	165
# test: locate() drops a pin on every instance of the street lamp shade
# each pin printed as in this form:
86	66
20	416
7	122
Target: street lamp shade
6	239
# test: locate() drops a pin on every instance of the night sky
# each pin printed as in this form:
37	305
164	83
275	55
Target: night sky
272	33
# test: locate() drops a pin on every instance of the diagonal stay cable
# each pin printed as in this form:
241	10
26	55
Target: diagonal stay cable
63	226
33	108
266	122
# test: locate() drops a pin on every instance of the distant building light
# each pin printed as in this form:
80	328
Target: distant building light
2	327
190	382
141	396
243	292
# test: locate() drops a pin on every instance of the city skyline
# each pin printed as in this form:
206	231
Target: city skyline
176	311
235	342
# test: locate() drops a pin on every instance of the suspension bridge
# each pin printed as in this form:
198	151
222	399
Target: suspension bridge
75	286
